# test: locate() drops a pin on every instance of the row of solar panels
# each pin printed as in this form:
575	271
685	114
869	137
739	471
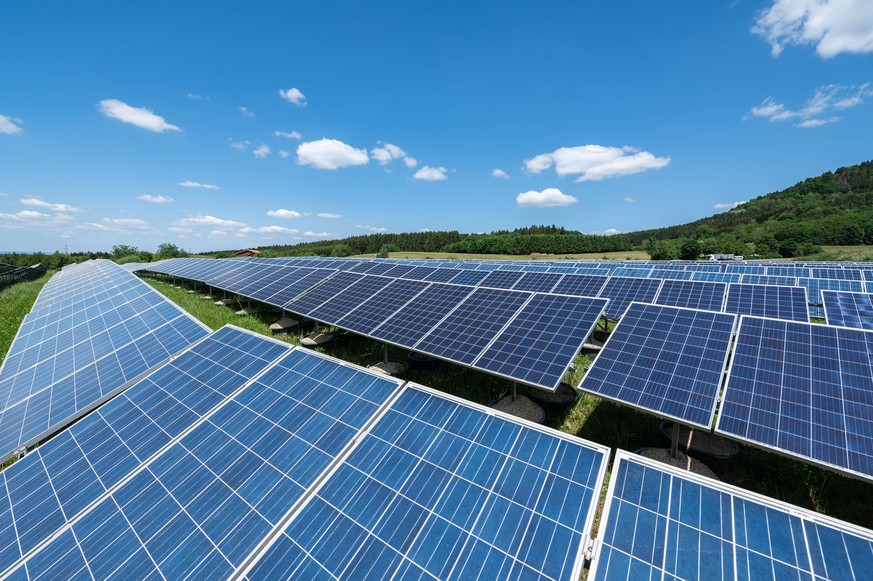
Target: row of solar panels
245	457
797	388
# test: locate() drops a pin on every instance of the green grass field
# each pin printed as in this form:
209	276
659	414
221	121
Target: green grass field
594	419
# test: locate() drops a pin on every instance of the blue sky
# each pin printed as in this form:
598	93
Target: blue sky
219	125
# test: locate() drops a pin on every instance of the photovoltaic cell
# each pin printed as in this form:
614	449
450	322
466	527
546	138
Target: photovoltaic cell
660	522
473	325
708	296
537	282
814	286
303	280
470	277
716	277
802	389
347	300
837	273
378	308
622	291
849	309
780	302
414	320
440	488
501	279
580	285
539	344
665	360
769	280
329	288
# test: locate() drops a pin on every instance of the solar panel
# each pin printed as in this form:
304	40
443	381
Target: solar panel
67	358
580	285
468	329
414	320
202	501
622	291
501	279
792	271
469	277
537	282
330	287
665	360
348	299
716	277
769	280
847	309
780	302
290	287
377	309
440	488
708	296
539	344
660	522
814	286
837	273
802	389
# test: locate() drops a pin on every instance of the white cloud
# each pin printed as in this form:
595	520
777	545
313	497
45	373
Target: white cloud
293	95
240	145
310	234
431	174
219	234
263	150
330	154
607	232
49	206
190	184
630	200
10	125
284	154
268	230
206	220
595	162
180	230
386	153
196	97
129	225
499	174
155	199
818	109
288	134
410	162
373	229
833	26
728	206
280	213
547	198
329	216
246	113
139	116
24	215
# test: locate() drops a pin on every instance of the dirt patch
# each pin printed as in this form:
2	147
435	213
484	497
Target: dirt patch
523	407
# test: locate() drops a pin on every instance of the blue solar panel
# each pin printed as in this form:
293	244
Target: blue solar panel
539	344
414	320
580	285
378	308
837	273
708	296
313	298
470	277
67	359
792	271
348	299
769	280
203	501
814	286
537	282
716	277
501	279
780	302
288	288
660	522
665	360
440	488
463	334
631	272
803	389
622	291
849	309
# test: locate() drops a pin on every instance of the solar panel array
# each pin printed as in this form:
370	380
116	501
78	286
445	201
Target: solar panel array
781	302
242	443
663	523
665	360
848	309
802	389
93	328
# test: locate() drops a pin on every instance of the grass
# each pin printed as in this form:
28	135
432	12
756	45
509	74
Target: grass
592	418
624	255
15	302
846	253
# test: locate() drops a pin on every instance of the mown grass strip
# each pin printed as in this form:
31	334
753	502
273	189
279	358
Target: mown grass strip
15	302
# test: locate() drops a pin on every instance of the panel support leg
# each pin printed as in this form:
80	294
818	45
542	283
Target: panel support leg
674	440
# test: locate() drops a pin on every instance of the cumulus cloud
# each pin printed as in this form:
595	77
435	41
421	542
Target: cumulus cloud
410	162
330	154
609	232
207	220
263	150
431	174
246	113
310	234
288	134
329	216
284	154
155	199
729	205
268	230
36	202
138	116
190	184
547	198
499	174
10	125
833	26
294	96
240	145
819	109
388	152
630	200
595	162
373	229
287	214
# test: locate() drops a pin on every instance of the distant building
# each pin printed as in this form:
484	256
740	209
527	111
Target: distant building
724	257
246	253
